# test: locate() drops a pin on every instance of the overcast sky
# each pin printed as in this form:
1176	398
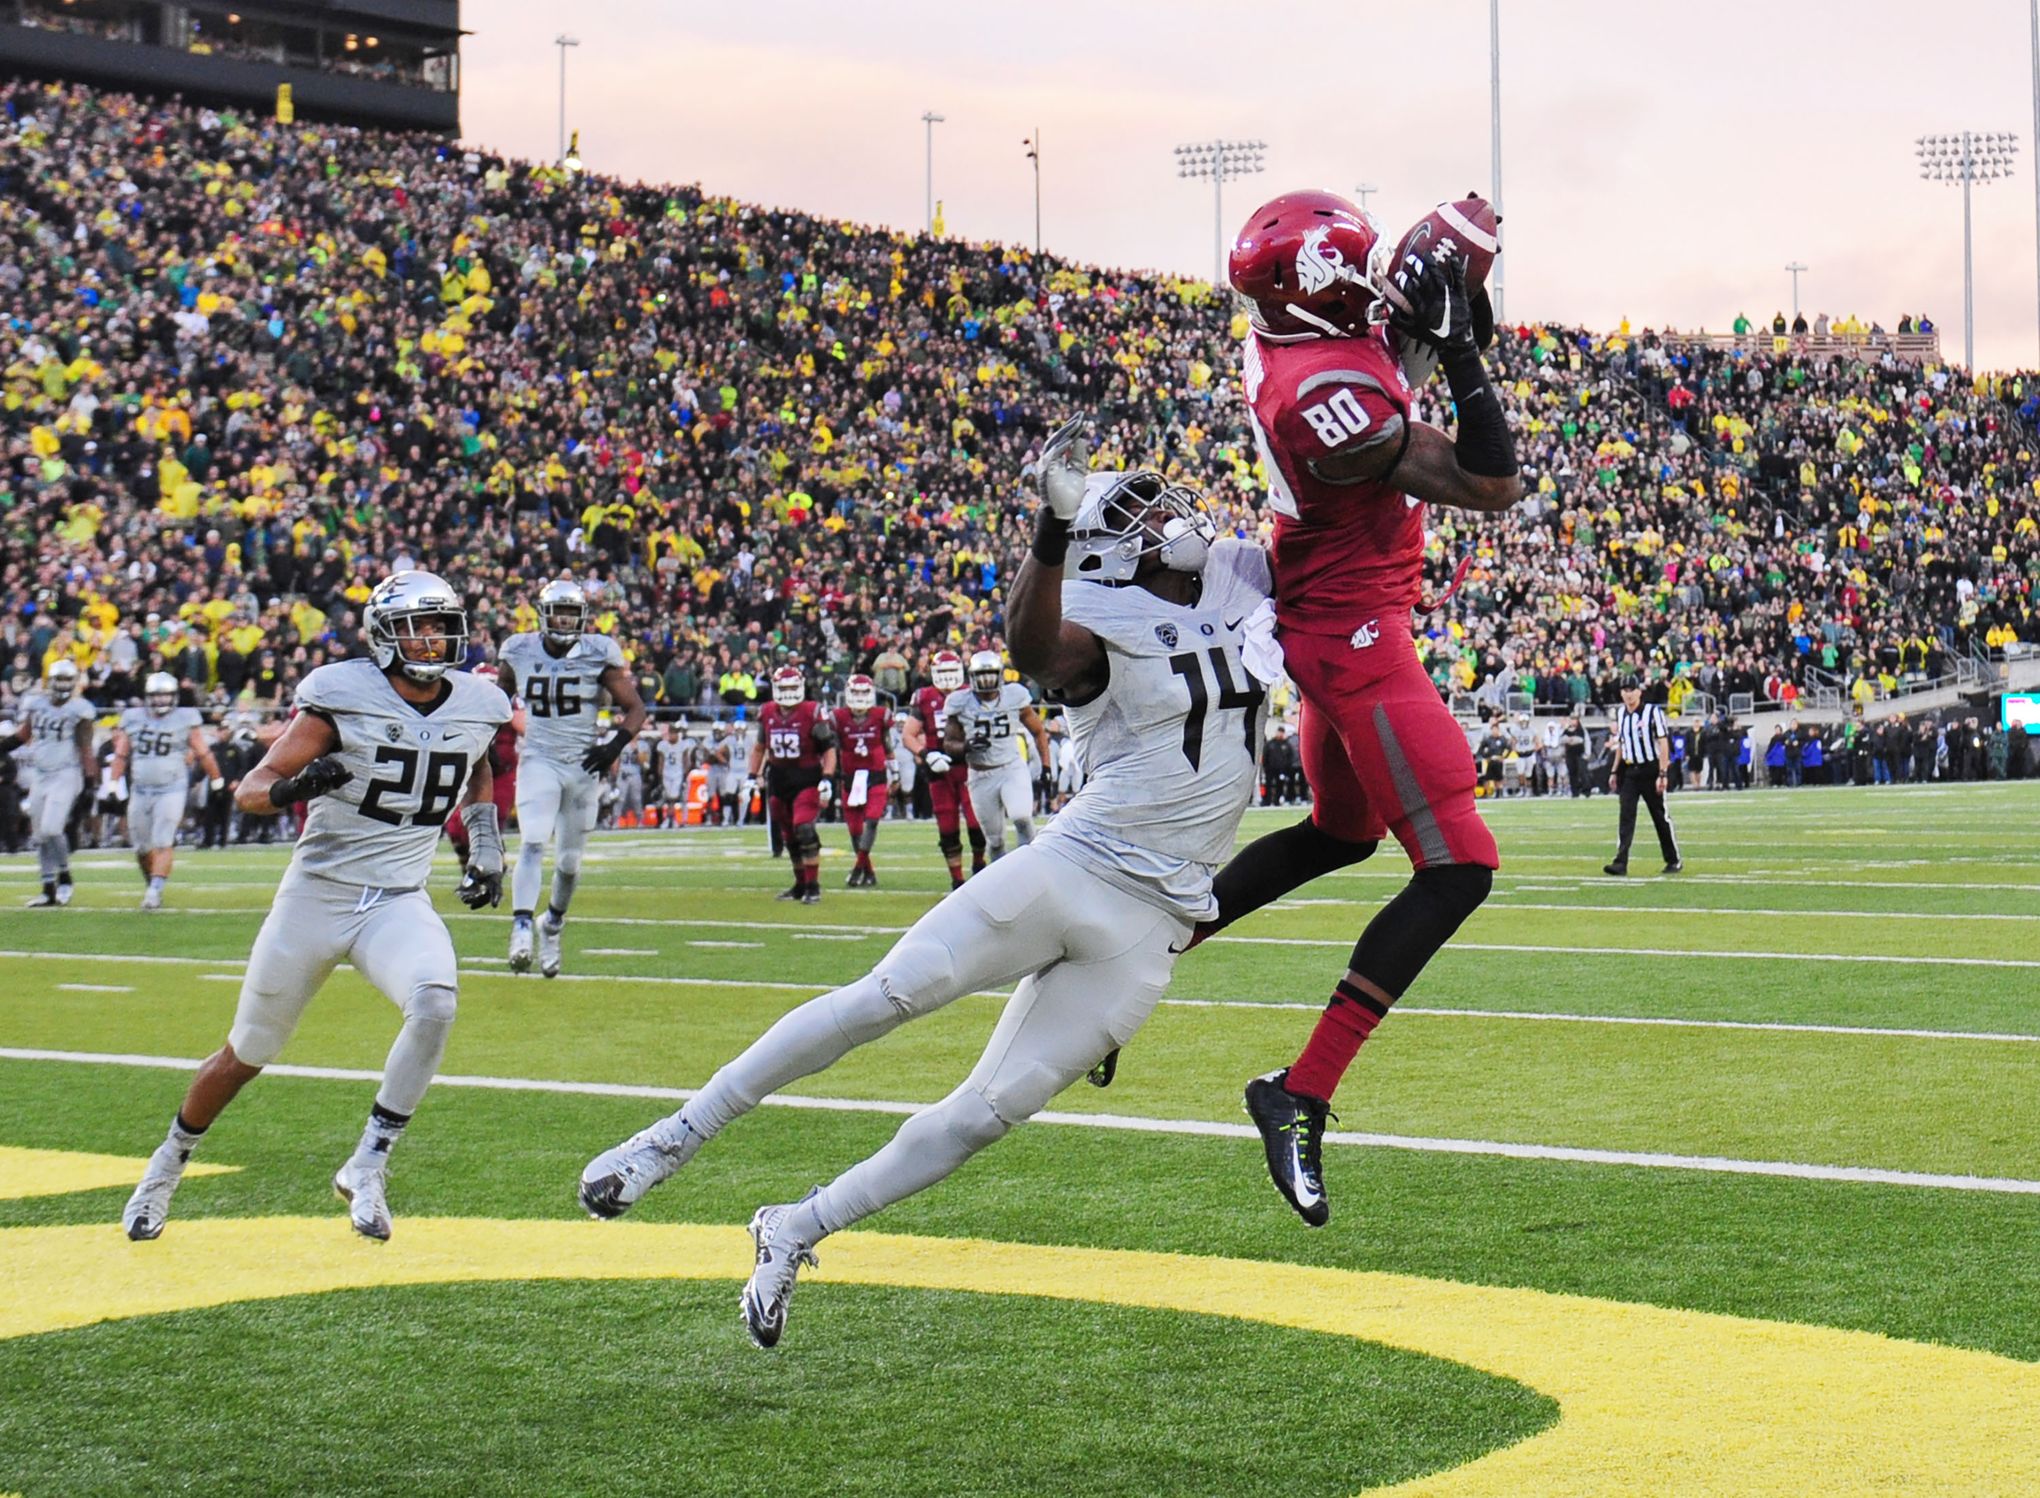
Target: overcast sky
1660	162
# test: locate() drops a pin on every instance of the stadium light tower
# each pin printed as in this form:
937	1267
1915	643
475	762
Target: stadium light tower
1967	157
2035	8
1795	268
1494	15
563	41
1219	162
1033	145
931	119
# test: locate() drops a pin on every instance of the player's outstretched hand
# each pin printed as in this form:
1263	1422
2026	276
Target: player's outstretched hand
479	887
1428	301
937	762
1062	470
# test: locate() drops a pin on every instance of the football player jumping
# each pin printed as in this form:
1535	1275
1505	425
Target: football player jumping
1145	640
864	730
797	741
984	724
924	734
1349	471
381	749
153	747
558	673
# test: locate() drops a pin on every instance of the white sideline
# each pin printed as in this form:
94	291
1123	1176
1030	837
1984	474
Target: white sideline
2010	1037
1717	1164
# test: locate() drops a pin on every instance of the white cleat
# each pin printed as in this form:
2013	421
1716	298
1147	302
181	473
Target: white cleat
769	1291
152	899
64	890
149	1208
520	945
368	1206
616	1179
549	932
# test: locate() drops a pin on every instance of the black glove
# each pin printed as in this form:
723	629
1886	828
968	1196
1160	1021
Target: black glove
322	775
1430	303
479	888
601	756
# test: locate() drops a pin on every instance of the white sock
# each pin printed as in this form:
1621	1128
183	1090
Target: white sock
378	1138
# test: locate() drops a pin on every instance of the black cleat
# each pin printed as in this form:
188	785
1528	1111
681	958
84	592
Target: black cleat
1617	869
956	881
794	893
1292	1130
1102	1074
810	894
1675	866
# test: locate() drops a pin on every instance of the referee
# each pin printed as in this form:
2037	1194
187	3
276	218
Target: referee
1643	757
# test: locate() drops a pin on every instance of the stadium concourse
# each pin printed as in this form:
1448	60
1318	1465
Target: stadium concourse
250	368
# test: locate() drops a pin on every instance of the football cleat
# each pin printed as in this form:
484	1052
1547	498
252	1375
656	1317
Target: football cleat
769	1291
64	890
368	1207
149	1208
614	1180
792	892
1617	869
520	944
810	894
152	899
1102	1074
549	945
1675	866
47	900
1292	1129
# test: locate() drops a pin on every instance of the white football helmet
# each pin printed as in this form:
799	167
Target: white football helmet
63	680
562	611
987	673
860	694
416	609
947	672
160	691
1128	516
789	687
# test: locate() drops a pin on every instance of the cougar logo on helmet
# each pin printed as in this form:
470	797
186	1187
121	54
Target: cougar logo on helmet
1319	263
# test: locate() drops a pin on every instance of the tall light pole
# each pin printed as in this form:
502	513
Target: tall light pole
1795	268
1220	162
1033	145
1967	157
563	41
2036	136
931	119
1368	189
1494	21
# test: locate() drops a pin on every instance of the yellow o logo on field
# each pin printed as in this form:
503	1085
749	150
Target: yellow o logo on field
1651	1400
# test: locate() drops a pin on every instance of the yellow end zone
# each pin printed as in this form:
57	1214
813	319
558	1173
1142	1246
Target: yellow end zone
27	1172
1651	1400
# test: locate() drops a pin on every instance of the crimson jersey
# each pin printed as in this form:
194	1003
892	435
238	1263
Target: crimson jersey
863	740
1349	557
930	709
794	739
503	753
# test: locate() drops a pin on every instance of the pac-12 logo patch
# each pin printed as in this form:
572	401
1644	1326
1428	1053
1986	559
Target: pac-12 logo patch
392	732
1166	633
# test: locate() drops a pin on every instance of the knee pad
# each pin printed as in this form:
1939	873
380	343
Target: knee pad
977	839
950	842
971	1118
434	1003
864	1010
258	1041
1460	887
805	842
916	975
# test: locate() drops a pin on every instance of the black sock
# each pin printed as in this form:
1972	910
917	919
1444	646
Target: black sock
1270	867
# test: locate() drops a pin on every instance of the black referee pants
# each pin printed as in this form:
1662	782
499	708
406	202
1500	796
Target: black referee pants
1639	783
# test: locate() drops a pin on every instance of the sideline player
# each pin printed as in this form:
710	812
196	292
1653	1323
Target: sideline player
557	673
864	736
796	746
1089	917
924	734
1349	473
152	751
985	723
671	751
381	749
56	724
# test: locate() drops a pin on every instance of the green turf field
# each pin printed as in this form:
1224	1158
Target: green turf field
1798	1084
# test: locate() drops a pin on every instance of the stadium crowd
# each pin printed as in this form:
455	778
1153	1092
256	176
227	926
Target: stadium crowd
249	368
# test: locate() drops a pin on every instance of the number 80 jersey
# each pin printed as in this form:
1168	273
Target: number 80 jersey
561	692
411	766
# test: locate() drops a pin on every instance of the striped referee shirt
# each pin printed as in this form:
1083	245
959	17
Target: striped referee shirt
1639	731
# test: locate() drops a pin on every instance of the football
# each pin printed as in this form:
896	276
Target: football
1471	226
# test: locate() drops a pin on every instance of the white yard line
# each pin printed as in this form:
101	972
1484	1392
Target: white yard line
96	987
2002	1037
1568	1154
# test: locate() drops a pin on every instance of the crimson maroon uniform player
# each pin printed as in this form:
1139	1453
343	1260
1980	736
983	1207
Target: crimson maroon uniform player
503	766
948	780
796	745
863	734
1349	471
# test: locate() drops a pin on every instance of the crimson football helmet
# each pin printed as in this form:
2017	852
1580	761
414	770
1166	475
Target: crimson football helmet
860	694
947	672
1303	264
789	687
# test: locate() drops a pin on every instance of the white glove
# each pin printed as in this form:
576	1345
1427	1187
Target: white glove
1262	651
750	786
826	792
217	783
116	788
1063	469
937	762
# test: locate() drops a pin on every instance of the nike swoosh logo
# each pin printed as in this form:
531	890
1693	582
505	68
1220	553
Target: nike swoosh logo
1445	318
1306	1195
1235	623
